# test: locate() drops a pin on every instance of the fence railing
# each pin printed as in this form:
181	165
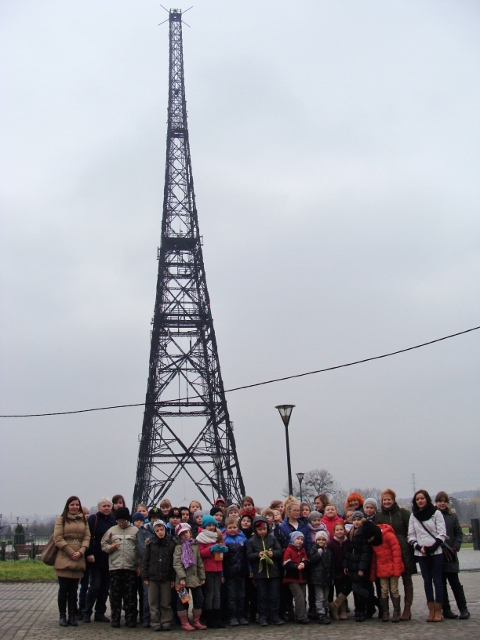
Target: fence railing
23	546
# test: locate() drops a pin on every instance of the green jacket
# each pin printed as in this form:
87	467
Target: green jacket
194	574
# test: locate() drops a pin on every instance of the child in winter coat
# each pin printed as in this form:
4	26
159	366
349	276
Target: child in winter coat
314	525
159	577
357	565
120	542
264	553
389	564
295	562
145	531
212	548
189	574
321	574
235	571
338	546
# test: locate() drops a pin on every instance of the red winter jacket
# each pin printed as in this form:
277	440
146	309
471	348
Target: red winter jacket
208	557
388	554
292	557
330	524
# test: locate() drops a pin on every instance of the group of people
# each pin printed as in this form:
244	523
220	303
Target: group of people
238	564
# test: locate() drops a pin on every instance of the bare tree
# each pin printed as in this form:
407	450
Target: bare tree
315	481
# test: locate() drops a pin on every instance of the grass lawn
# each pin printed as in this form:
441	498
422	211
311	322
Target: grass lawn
25	571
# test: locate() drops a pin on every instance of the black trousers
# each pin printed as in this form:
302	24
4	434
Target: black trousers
98	588
457	589
67	595
268	598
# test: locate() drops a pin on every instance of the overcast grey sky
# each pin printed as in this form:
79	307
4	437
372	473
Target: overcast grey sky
335	150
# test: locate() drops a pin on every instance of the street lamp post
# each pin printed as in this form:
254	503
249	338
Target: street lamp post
300	477
285	411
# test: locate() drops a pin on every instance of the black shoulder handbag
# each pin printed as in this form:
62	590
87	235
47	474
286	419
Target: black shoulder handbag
449	554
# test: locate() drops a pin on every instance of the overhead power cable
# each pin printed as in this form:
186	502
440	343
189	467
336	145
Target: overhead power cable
255	384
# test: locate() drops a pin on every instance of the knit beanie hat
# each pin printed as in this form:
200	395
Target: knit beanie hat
232	507
198	513
138	516
154	513
183	526
371	501
294	535
122	513
206	520
358	514
313	515
322	534
159	523
215	510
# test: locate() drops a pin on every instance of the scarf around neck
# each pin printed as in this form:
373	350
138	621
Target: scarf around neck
426	513
207	537
187	559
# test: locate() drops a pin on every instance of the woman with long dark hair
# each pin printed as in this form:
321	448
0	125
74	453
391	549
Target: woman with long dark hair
426	532
72	537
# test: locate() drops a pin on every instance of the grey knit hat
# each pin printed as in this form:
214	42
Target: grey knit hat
313	515
371	501
358	514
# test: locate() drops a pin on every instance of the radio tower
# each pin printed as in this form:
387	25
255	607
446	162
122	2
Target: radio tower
186	426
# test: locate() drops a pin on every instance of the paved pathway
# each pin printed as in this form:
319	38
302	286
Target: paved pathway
29	611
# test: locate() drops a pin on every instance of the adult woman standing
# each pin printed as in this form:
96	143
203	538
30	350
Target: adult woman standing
72	537
398	518
354	501
451	569
426	532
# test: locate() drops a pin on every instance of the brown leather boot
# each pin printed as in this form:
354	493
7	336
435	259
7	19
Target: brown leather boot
385	611
431	609
407	603
335	606
438	615
396	609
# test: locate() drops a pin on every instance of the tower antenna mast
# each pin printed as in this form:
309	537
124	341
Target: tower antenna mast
186	425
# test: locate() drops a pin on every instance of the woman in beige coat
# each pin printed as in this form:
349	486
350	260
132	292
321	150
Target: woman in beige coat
72	537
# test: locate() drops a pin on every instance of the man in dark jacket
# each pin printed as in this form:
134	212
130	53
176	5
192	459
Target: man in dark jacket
264	555
97	594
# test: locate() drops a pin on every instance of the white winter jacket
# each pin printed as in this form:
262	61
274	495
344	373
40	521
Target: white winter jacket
435	530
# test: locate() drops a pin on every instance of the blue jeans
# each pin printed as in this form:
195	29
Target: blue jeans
268	599
236	597
431	568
